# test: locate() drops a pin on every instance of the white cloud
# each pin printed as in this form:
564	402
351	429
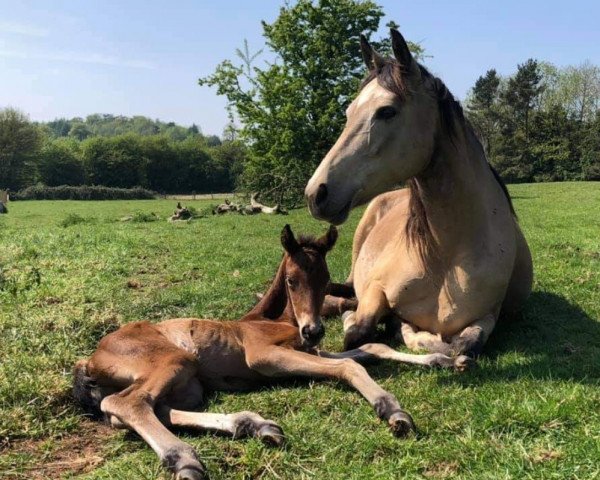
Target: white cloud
23	29
70	57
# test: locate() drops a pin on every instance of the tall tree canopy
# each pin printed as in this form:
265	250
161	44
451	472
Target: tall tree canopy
292	110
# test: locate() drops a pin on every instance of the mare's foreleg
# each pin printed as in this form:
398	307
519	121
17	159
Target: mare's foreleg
471	339
360	326
273	361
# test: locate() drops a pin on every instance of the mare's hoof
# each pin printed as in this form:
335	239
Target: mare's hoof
401	424
462	363
191	473
271	435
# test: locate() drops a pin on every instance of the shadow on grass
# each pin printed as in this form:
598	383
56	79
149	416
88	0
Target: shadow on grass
553	339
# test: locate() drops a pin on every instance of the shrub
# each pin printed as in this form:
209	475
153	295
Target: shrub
83	192
144	217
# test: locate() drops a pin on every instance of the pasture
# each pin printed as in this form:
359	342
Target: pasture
70	272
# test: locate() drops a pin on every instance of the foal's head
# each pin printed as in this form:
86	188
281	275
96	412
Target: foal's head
306	278
389	137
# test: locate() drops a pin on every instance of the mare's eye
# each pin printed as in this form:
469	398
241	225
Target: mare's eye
290	281
385	113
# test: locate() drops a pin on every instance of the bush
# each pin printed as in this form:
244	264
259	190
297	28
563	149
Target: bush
144	217
83	192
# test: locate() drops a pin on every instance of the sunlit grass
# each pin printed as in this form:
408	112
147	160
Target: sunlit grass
72	271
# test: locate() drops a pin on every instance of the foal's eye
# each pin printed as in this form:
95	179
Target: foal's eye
385	113
290	281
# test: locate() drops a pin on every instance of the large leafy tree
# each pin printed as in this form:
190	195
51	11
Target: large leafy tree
292	110
19	141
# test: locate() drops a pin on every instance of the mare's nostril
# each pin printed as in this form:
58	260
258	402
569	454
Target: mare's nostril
321	194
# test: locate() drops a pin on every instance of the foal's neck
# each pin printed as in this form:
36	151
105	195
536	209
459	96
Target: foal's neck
275	304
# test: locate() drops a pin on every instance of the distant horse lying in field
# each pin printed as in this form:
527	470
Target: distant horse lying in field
147	377
443	257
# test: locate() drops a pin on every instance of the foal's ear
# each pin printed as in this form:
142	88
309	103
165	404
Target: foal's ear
402	53
288	241
372	59
327	241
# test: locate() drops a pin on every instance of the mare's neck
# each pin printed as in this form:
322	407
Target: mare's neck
454	188
275	304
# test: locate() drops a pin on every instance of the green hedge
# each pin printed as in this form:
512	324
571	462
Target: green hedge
83	192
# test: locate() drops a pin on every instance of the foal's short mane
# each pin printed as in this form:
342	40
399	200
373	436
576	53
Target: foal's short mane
309	242
390	76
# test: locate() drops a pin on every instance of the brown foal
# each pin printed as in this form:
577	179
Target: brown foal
148	377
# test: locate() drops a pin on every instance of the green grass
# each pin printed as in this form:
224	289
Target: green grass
531	409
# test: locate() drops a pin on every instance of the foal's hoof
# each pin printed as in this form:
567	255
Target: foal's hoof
271	435
462	363
401	424
191	473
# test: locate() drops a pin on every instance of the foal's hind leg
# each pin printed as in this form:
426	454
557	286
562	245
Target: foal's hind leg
240	424
134	407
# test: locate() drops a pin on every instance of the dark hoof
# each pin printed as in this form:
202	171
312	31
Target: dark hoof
191	473
401	424
271	435
462	363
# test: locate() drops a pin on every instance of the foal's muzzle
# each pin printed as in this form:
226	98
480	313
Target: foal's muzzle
312	334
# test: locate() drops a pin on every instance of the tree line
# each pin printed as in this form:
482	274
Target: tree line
540	124
115	151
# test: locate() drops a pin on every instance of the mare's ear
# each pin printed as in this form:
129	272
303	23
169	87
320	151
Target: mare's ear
402	53
327	241
288	241
371	58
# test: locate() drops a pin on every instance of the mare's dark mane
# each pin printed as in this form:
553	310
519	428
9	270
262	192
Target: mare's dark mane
390	76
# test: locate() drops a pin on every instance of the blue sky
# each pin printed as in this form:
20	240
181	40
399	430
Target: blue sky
72	58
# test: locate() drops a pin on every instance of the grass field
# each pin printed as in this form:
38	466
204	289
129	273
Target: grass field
70	272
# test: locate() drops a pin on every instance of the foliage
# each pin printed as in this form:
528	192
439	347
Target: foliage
191	164
529	411
540	124
83	192
292	110
19	140
59	163
106	125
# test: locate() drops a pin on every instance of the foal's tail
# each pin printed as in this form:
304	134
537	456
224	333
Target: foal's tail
86	391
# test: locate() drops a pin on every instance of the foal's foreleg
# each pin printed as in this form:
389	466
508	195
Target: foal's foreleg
240	424
379	351
282	362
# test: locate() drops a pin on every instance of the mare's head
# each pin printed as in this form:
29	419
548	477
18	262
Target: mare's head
306	277
389	137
